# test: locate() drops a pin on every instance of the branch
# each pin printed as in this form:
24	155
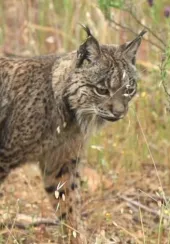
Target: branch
164	72
141	206
144	26
130	30
23	221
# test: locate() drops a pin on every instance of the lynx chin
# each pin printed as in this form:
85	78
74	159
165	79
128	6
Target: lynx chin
50	104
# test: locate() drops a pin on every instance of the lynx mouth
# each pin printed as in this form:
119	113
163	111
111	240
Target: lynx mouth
111	119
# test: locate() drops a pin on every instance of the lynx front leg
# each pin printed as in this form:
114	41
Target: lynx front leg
4	171
8	161
63	187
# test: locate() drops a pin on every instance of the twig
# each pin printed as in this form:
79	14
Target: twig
23	221
141	206
151	155
163	69
130	30
146	27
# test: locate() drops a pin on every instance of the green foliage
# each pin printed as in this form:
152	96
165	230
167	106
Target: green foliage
105	6
165	67
166	63
2	240
111	3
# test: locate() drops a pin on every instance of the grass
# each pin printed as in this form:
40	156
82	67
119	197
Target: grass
132	154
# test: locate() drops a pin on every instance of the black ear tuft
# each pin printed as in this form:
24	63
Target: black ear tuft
87	30
89	50
130	49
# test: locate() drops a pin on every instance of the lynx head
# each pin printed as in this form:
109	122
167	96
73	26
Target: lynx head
104	81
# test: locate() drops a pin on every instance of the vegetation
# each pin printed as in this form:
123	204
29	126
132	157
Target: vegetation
126	198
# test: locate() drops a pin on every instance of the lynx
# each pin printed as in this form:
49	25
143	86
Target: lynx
49	105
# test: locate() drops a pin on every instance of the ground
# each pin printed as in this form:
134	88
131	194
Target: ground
129	211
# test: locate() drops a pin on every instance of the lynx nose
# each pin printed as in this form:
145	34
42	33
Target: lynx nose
118	110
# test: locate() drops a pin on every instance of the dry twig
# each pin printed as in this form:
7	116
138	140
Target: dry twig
23	221
145	208
133	32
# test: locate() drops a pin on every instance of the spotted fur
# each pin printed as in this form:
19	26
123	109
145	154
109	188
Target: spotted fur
49	105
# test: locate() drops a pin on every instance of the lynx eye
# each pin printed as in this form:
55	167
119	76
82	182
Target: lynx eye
129	91
101	91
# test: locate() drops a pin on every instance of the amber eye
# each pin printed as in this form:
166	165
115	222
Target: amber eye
101	91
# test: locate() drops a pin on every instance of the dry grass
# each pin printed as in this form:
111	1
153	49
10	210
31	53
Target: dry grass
130	159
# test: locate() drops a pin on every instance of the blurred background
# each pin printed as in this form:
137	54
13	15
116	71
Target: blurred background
127	171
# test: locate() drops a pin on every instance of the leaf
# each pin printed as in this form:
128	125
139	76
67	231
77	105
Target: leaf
106	4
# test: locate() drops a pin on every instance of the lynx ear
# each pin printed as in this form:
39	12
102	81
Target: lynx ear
89	50
130	49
